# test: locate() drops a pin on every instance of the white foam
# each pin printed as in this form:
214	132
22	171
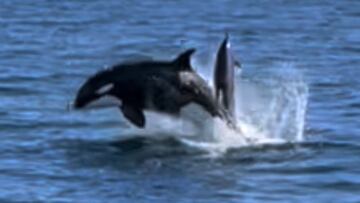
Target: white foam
272	112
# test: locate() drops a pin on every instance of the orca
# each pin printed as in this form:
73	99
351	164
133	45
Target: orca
224	77
160	86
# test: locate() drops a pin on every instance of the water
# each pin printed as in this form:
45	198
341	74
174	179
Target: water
298	102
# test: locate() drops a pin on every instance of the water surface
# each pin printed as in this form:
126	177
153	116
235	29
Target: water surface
48	49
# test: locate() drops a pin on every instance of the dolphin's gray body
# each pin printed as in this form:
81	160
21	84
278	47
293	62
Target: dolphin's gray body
224	77
162	86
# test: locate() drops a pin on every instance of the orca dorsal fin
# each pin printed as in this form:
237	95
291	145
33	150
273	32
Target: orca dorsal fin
183	61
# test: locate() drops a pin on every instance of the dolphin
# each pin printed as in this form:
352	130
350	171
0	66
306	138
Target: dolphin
160	86
224	77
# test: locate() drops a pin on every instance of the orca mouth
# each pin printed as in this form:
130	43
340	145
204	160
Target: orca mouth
82	100
97	102
79	104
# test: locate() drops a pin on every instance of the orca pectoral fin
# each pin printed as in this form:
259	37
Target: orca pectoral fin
134	115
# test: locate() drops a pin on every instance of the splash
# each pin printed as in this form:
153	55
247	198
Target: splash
270	108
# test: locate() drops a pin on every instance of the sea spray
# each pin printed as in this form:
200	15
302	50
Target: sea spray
270	109
277	104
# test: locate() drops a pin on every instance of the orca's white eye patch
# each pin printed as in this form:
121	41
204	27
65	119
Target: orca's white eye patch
104	89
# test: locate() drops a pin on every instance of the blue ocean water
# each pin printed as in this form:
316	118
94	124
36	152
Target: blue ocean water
50	154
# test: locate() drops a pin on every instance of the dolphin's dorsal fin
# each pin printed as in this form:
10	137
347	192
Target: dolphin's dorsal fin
183	61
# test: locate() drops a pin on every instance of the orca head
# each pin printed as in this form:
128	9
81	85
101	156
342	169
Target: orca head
93	89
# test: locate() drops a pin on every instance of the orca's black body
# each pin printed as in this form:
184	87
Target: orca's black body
162	86
224	77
